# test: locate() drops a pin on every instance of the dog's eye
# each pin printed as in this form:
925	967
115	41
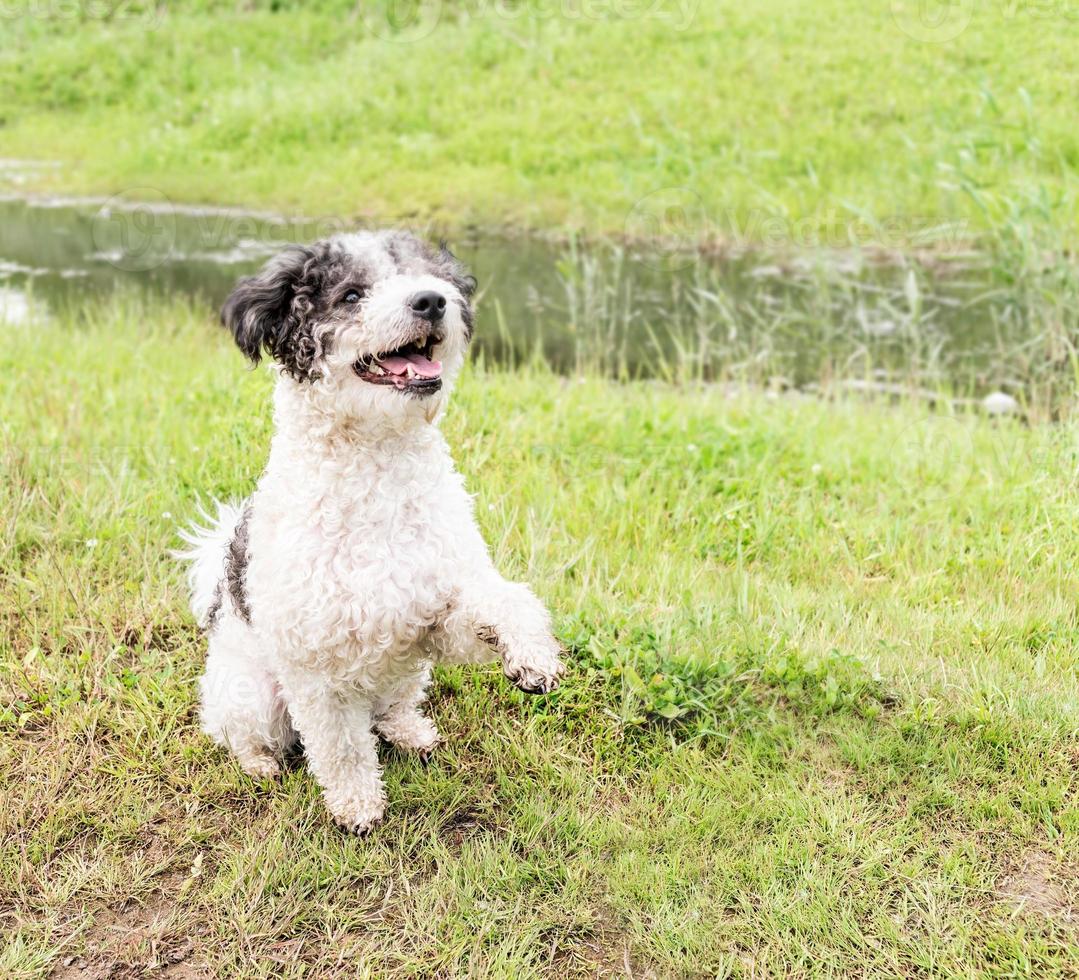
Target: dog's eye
352	296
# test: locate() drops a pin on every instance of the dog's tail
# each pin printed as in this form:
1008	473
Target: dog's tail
208	545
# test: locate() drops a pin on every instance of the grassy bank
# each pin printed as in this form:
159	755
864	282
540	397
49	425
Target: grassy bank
821	715
772	123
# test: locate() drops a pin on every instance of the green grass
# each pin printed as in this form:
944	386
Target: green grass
821	717
776	122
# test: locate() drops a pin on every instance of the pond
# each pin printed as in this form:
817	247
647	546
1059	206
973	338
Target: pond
796	320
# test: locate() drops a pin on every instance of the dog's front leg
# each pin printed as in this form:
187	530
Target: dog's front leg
491	618
341	750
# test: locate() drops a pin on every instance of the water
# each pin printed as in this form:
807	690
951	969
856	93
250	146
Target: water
790	321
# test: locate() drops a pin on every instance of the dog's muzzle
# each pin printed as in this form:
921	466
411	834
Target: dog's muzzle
409	368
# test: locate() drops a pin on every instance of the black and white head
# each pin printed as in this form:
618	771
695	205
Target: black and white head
371	323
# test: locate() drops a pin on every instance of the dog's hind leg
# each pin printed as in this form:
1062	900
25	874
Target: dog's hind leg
242	707
399	720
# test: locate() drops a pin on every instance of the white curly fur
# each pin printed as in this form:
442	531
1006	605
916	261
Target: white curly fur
364	562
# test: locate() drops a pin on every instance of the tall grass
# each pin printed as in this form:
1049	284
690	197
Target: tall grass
1002	316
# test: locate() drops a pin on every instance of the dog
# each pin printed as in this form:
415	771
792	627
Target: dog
357	563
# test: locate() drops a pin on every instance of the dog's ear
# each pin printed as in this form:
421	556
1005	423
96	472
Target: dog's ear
269	312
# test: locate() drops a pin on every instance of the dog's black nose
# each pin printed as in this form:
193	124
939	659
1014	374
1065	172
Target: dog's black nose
429	305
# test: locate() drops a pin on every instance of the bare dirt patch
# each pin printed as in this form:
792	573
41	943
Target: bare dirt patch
600	951
1045	886
141	939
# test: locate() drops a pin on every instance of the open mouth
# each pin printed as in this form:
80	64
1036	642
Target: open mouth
409	368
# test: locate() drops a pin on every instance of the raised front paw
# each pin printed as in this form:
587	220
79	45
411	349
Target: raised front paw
535	674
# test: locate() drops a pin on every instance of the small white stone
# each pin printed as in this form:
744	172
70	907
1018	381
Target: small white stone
998	403
880	328
91	542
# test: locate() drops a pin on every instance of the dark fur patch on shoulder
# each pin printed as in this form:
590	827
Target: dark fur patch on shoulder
236	558
214	611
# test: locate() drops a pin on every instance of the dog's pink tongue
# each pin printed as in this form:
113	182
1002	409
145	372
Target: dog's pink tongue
423	367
